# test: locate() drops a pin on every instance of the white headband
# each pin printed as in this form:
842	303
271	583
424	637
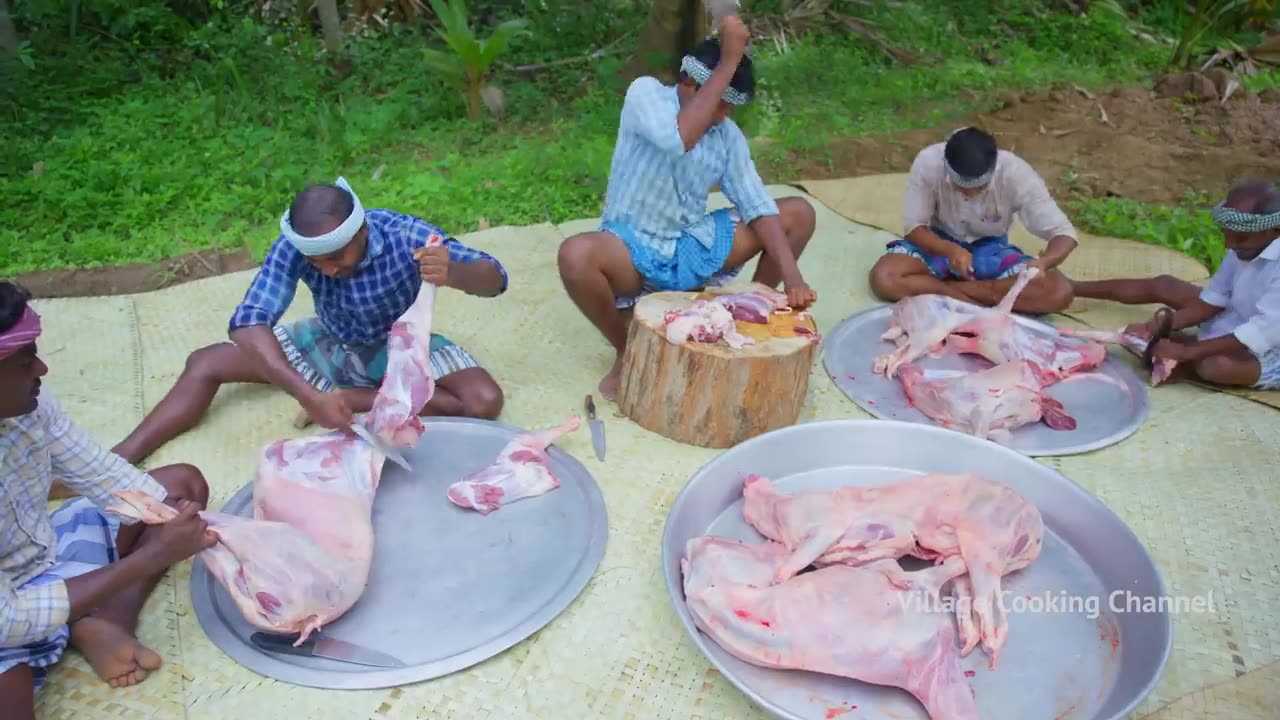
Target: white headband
333	240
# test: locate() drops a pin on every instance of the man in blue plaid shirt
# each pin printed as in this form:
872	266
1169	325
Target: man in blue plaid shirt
364	269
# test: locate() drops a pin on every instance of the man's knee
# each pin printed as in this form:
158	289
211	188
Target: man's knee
886	279
482	399
1054	293
184	482
577	255
1228	370
206	363
798	219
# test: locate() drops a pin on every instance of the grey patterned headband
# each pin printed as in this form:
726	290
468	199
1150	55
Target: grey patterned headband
701	74
1232	219
969	182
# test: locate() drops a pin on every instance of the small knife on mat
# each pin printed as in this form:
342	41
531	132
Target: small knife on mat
392	454
597	429
324	647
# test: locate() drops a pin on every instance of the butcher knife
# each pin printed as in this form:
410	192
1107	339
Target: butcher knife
324	647
597	429
392	454
1165	325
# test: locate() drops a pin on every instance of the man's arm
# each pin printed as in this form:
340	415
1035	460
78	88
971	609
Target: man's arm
920	205
743	187
84	465
1042	216
266	300
1193	314
1258	335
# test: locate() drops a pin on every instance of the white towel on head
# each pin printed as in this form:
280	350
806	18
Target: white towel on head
335	239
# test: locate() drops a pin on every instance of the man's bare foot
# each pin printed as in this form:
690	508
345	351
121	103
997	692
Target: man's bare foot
118	658
611	382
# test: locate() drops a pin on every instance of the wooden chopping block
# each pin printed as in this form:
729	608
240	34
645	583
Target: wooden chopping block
711	395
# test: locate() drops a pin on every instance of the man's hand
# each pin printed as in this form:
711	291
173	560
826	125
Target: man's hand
800	295
181	537
734	37
1169	350
433	264
329	409
960	261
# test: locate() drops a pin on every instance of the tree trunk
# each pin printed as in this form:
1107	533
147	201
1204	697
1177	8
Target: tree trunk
8	35
674	26
332	25
711	395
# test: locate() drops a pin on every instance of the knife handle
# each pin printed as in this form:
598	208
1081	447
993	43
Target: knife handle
284	643
590	408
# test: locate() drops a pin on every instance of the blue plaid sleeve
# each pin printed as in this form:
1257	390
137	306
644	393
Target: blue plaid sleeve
741	183
651	113
419	231
272	289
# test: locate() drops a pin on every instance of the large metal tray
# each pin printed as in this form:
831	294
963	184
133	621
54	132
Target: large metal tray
449	588
1060	662
1109	403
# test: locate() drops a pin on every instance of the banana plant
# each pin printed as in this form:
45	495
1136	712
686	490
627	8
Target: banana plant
469	65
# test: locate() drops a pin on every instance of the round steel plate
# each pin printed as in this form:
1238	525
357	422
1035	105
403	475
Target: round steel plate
1064	654
1109	403
448	588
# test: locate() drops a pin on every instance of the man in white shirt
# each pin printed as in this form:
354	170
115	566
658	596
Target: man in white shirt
1238	312
962	197
77	576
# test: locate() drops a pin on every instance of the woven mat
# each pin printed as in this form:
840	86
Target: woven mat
877	201
1203	509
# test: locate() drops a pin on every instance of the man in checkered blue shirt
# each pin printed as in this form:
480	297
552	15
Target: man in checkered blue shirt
77	576
364	270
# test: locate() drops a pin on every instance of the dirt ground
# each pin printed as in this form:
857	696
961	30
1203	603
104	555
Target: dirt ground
1128	142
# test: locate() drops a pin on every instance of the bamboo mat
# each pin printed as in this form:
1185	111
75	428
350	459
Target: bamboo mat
877	201
1195	484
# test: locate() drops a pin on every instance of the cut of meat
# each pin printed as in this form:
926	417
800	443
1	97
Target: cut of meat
918	326
521	470
704	321
897	640
1161	368
989	403
753	307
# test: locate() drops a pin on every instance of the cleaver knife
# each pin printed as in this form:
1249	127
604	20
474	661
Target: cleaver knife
597	429
324	647
391	453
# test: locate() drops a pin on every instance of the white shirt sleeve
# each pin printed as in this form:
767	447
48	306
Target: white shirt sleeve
1218	292
1262	331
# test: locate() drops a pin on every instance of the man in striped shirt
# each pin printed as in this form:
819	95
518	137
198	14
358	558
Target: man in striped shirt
674	144
77	576
364	270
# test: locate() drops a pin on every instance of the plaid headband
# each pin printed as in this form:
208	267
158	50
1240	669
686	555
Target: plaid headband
700	73
1232	219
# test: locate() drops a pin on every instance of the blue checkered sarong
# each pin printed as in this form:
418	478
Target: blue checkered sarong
86	542
694	265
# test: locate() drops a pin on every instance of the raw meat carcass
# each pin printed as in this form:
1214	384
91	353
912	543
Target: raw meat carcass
839	620
521	470
989	403
993	529
753	307
1161	368
304	558
919	325
704	321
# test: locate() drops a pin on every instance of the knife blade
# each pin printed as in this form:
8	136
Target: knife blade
597	429
1164	326
391	453
322	646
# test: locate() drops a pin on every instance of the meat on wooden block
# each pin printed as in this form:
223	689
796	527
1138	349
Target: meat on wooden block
715	394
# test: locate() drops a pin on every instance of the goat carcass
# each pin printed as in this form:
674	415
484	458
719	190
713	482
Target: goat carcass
304	558
1161	368
839	620
918	326
990	527
704	321
988	403
521	470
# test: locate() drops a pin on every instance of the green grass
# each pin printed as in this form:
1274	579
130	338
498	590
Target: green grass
1186	227
129	162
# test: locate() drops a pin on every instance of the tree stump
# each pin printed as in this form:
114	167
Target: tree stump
711	395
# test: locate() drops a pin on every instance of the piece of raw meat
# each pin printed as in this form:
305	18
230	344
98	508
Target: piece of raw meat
407	385
1161	368
989	403
303	559
839	620
753	307
993	529
704	321
918	326
521	470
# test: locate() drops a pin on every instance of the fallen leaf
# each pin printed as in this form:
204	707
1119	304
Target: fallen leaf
484	223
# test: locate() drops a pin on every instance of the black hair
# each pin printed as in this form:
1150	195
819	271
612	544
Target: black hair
971	152
1270	203
707	52
1250	196
13	303
320	208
